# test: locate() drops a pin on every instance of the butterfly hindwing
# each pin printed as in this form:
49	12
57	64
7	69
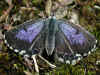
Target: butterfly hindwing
61	46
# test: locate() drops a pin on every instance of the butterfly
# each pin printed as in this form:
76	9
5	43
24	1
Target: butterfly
67	41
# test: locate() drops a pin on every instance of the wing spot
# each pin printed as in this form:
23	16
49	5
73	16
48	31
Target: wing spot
92	50
11	47
4	36
5	41
8	45
67	61
22	52
61	59
85	54
78	55
79	58
73	62
96	41
26	55
16	50
94	46
89	52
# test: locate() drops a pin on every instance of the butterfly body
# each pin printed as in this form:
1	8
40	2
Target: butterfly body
59	36
50	37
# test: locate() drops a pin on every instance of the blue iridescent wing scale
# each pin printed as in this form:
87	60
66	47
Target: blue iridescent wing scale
80	41
23	36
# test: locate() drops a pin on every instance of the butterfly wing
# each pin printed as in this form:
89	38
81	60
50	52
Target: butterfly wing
74	40
24	36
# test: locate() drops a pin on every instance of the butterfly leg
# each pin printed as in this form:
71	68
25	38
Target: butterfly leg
51	65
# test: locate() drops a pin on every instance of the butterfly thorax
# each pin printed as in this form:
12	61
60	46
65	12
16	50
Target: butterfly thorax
50	37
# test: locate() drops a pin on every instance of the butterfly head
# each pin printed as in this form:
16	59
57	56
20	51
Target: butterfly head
52	16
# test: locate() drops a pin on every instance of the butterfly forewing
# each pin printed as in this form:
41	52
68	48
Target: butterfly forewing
23	36
79	40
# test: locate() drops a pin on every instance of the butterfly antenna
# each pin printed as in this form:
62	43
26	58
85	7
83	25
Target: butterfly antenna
50	13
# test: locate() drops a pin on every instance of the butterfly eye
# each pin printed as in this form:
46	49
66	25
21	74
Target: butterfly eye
54	17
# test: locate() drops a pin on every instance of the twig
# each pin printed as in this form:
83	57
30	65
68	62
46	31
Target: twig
35	63
51	65
6	13
28	62
28	8
48	7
